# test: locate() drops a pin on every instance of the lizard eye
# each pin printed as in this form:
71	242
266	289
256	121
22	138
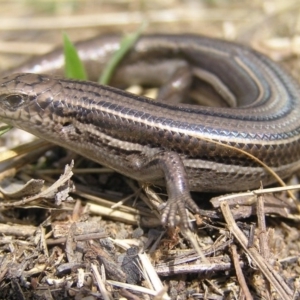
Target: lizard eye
13	101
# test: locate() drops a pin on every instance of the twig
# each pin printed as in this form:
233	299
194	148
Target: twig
239	273
262	235
100	283
193	268
82	237
263	239
280	286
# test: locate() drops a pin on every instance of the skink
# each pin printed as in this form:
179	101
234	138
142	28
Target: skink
161	142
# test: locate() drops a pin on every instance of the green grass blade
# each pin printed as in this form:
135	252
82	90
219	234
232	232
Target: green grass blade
125	45
4	129
74	68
